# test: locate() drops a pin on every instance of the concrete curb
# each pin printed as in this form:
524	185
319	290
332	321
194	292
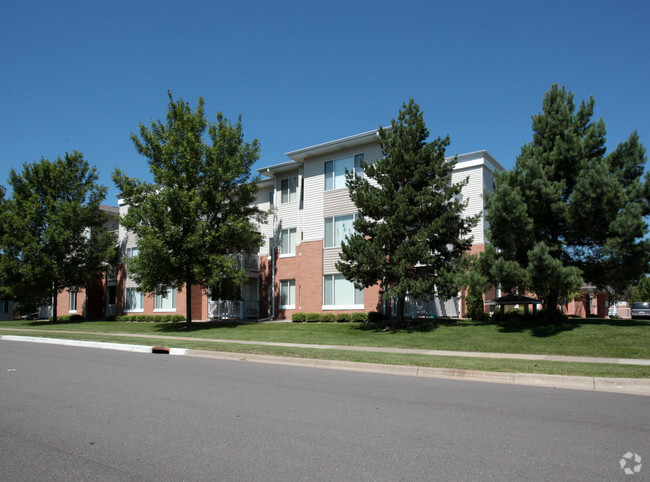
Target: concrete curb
633	386
93	344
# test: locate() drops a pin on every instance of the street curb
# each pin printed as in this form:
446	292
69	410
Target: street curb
632	386
95	344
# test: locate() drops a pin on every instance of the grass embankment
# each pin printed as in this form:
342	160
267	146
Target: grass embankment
601	338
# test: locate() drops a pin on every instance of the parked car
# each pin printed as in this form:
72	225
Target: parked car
30	316
641	309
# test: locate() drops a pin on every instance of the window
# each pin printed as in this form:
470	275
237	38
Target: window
288	294
131	253
271	198
335	171
134	300
288	190
5	307
337	229
73	301
339	292
166	302
288	241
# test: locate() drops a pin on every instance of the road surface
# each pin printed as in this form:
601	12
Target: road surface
79	413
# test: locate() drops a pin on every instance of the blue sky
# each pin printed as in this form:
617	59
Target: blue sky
83	74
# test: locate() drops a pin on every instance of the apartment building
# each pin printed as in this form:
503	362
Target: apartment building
310	213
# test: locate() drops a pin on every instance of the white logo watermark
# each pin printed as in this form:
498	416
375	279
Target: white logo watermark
631	463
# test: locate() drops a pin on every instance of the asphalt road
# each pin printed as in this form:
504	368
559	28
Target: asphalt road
76	413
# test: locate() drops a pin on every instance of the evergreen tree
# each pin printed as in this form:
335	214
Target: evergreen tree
568	213
52	234
198	212
410	233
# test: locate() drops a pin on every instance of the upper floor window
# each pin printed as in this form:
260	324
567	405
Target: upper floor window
131	253
166	302
335	171
288	241
337	229
288	189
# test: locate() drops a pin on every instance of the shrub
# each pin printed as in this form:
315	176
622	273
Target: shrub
313	317
375	317
343	318
359	317
111	318
67	318
298	317
178	318
328	317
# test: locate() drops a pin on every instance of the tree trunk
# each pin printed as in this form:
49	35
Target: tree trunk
188	305
55	304
401	302
551	305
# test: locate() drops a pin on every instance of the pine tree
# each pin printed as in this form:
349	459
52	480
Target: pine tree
568	213
198	213
410	234
52	234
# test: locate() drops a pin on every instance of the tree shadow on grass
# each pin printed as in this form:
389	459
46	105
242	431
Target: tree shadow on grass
180	327
413	325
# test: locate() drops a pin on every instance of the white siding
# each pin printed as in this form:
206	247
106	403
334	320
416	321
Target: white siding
288	214
262	202
472	194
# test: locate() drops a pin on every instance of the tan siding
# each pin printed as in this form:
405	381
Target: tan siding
318	203
337	203
330	257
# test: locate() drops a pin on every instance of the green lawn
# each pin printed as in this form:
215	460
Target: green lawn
592	337
464	363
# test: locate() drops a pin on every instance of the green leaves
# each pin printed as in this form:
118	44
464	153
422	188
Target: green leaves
199	210
53	236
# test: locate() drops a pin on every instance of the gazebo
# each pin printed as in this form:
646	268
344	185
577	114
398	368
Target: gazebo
515	299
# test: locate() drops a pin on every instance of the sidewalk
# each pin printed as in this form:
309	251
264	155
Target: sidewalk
412	351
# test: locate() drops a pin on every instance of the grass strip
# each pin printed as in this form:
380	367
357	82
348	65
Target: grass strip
465	363
579	337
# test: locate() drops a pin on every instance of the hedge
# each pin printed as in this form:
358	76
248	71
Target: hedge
147	318
67	318
343	318
313	317
328	317
299	317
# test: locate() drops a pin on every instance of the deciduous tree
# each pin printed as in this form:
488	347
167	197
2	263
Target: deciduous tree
198	213
52	234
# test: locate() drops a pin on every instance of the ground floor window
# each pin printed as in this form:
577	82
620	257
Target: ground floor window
166	302
5	307
73	301
288	294
339	293
134	300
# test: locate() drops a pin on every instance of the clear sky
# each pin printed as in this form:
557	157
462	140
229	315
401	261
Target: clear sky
83	74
